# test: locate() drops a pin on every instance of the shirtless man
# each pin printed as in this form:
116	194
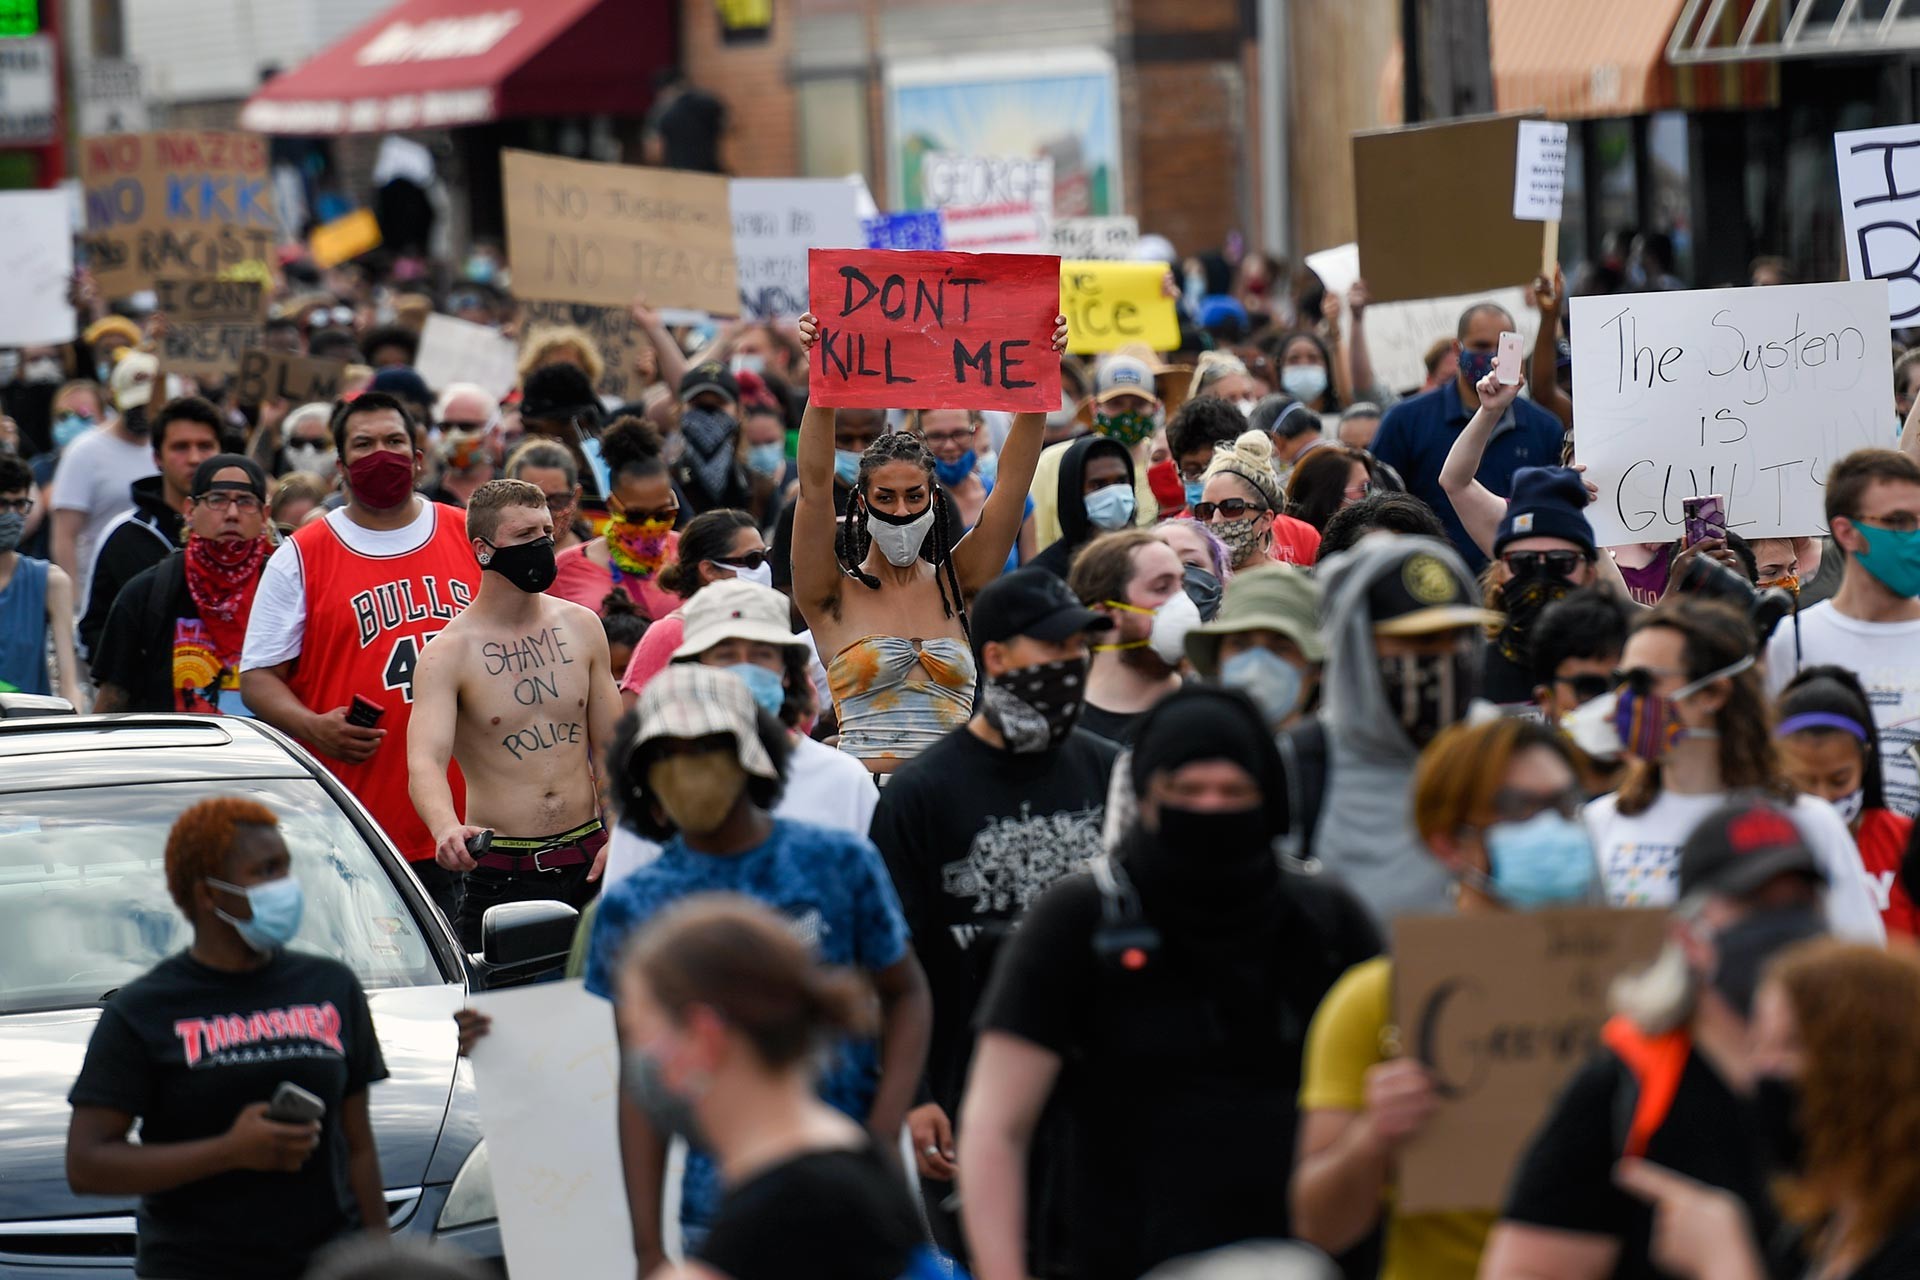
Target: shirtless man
518	689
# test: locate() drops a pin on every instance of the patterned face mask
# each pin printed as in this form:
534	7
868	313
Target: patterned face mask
1128	428
1243	538
1035	708
638	547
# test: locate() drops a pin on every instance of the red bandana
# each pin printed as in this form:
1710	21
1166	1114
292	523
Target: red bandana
221	578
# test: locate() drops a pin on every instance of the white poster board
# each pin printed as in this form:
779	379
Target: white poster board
1095	239
993	204
455	350
1880	209
1748	393
1540	171
36	268
775	222
548	1076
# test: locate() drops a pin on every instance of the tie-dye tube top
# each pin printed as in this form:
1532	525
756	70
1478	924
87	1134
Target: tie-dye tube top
896	697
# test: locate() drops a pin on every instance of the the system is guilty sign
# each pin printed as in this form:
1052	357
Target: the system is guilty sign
934	330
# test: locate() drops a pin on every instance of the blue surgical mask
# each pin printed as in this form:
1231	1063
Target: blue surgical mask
846	466
1542	862
767	688
69	427
1270	680
952	473
1476	365
1111	507
277	908
1304	381
480	269
1196	489
768	459
1893	557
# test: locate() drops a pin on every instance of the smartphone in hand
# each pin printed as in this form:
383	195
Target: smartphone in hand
1703	517
293	1105
365	712
1506	362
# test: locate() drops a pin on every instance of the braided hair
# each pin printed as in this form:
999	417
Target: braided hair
853	541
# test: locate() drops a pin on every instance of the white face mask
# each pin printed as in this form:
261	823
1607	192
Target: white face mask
760	574
1171	623
1245	406
314	459
900	543
1848	806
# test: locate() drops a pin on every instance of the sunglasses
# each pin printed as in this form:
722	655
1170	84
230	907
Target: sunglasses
1588	687
1232	509
751	560
1558	564
1510	804
20	505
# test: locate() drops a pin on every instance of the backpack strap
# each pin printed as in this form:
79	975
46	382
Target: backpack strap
1656	1063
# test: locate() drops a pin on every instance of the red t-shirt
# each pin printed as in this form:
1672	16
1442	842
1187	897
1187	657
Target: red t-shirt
580	580
367	618
1294	541
1882	840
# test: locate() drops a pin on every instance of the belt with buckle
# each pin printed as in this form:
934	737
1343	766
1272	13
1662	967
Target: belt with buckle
554	853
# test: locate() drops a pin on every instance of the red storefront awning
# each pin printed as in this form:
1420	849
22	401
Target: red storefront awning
435	64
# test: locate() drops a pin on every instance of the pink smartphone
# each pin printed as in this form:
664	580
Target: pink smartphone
1703	517
1506	364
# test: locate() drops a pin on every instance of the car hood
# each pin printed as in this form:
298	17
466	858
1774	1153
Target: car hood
40	1056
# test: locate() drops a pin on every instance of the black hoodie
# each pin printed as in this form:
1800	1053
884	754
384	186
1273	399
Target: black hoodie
1075	529
135	543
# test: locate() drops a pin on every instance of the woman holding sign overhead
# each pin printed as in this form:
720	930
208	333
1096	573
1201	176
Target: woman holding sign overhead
885	592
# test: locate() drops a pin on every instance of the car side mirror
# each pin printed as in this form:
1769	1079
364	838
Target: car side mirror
522	935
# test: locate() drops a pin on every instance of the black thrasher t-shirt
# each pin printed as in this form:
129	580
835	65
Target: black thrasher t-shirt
185	1048
1565	1180
972	835
826	1215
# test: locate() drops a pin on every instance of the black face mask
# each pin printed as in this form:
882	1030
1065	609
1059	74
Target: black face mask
1035	708
1776	1110
1427	692
136	422
527	565
1744	948
1213	836
1203	589
1523	600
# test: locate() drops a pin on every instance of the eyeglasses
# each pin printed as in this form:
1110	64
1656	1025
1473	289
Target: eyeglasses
1588	687
463	426
245	503
1642	679
1355	492
21	505
1558	564
1511	804
948	437
1232	509
751	560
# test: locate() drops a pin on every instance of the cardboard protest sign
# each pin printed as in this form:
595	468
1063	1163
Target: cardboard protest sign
344	239
182	203
454	350
36	268
278	375
935	330
1425	233
1749	393
602	233
1880	209
1082	239
1502	1009
1539	171
775	222
555	1150
993	204
1110	304
612	330
920	229
211	324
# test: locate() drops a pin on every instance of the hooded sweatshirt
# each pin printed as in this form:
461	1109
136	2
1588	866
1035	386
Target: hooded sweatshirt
140	539
1366	834
1075	529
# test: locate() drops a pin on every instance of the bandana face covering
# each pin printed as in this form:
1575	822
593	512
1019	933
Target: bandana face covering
710	434
637	547
1128	428
222	576
1035	708
1522	600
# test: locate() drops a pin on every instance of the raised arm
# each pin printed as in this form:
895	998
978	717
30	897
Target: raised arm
816	573
1546	348
1478	507
672	360
982	553
1342	371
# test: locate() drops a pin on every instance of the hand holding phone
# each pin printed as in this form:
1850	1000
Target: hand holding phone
1507	361
1703	517
293	1105
365	712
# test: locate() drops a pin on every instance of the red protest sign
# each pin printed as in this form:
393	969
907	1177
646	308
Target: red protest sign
934	330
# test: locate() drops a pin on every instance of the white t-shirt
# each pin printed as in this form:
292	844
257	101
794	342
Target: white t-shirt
821	790
1640	855
95	475
278	622
1886	657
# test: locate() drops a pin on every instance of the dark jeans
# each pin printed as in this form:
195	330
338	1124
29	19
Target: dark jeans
442	885
484	887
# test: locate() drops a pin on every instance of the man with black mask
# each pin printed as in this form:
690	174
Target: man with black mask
983	821
518	689
709	471
1161	1002
1404	642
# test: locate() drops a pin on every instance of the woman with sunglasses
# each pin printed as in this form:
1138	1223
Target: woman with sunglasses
715	546
1241	504
1691	715
1498	806
639	540
1328	479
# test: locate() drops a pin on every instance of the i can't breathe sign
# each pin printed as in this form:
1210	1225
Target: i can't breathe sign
934	330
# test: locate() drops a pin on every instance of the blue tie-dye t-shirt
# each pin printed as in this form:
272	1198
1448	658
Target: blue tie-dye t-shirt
834	888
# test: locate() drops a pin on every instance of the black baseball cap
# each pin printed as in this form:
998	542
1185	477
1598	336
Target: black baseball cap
1421	595
710	376
1031	602
204	483
558	391
1739	847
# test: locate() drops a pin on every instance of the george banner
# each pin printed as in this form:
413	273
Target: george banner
182	203
1748	393
1110	304
993	204
935	330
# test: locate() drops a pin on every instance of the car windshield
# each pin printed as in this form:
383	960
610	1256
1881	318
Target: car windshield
84	907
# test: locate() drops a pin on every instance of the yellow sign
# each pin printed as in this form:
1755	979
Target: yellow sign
344	239
1110	304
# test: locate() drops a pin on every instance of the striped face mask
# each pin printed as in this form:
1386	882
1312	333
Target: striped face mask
1647	724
